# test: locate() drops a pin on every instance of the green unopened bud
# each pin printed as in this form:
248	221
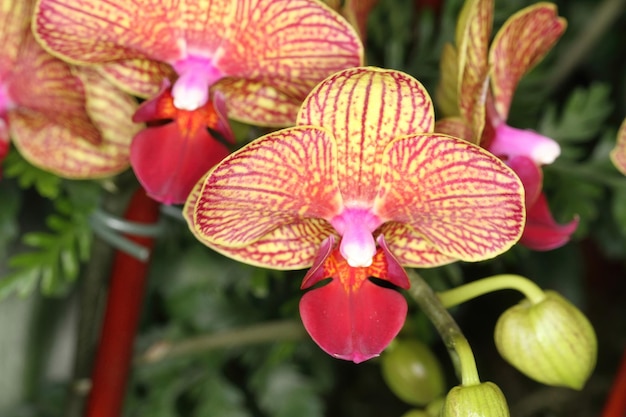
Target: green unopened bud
551	341
484	399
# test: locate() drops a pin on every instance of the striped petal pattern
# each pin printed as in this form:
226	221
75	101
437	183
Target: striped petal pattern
277	181
473	64
14	25
75	124
270	52
459	198
364	109
519	45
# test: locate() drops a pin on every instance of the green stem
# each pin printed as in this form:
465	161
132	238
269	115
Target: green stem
258	333
483	286
605	14
458	347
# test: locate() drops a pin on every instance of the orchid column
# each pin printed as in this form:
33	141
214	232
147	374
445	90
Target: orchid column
359	187
199	61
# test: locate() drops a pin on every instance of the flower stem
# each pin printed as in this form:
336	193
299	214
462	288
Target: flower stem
258	333
127	287
458	347
483	286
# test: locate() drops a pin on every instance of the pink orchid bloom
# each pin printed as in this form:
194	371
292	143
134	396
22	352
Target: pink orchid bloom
359	187
67	121
618	154
476	91
252	60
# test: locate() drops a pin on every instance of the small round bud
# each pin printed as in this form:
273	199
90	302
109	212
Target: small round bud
484	399
551	341
412	372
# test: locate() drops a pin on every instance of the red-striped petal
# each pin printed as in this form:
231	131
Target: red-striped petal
278	180
291	246
524	39
464	201
473	34
285	45
52	125
365	109
14	27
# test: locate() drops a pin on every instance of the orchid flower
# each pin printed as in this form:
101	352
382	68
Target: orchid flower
199	61
359	187
476	91
67	121
618	154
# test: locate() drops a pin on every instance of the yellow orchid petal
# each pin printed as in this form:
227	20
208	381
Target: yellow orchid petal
139	77
284	45
365	109
258	103
52	125
618	154
473	32
290	45
110	110
524	39
276	181
410	249
292	247
14	25
58	94
446	94
464	201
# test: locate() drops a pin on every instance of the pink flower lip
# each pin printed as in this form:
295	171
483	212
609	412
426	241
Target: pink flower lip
511	142
356	226
195	75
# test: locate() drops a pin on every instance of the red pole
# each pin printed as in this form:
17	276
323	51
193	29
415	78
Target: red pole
615	405
127	286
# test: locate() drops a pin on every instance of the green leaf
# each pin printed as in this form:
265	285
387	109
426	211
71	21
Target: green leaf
47	184
618	207
55	255
582	118
9	209
21	282
570	197
285	392
218	397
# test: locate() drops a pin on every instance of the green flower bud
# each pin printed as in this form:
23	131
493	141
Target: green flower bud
484	400
551	341
412	372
